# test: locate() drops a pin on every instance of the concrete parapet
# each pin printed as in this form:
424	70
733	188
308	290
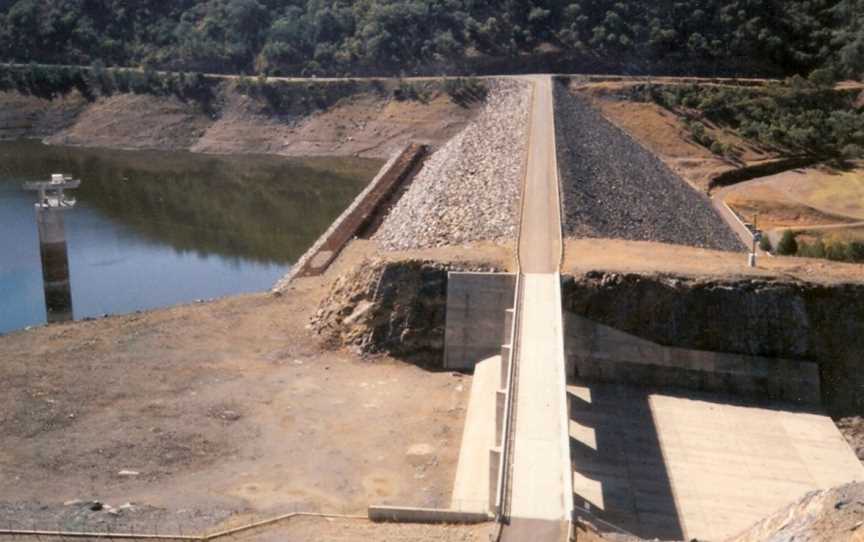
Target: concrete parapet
500	407
506	359
406	514
361	211
470	486
476	312
509	315
494	471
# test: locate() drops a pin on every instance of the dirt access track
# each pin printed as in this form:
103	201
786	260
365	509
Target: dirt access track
222	409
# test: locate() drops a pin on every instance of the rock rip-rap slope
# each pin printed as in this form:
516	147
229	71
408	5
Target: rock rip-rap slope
612	187
469	190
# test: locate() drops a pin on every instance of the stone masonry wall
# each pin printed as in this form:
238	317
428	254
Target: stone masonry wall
771	318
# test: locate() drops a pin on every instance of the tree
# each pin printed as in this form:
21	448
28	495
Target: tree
788	245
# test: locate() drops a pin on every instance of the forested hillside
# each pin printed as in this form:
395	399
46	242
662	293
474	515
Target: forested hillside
707	37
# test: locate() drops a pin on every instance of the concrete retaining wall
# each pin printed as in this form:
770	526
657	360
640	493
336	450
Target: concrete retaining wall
361	211
404	514
476	317
599	352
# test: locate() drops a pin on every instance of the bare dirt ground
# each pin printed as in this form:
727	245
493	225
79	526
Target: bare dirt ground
582	255
28	116
131	121
335	529
315	530
366	125
819	195
222	408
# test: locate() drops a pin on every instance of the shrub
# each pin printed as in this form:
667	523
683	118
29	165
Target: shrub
836	251
852	151
765	243
405	91
788	244
465	91
855	251
812	250
822	77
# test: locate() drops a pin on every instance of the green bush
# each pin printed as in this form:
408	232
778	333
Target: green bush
812	250
788	245
840	251
798	117
719	149
765	243
465	91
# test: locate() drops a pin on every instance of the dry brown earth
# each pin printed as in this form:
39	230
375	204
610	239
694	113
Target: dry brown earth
222	408
370	125
582	255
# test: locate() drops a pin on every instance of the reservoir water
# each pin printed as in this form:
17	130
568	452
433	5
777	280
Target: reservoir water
152	229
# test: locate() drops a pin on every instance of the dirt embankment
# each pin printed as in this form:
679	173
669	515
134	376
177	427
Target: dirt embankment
367	121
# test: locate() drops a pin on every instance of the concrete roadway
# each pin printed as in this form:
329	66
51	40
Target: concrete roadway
540	244
541	493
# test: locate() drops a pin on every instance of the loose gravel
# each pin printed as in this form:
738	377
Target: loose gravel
469	190
613	188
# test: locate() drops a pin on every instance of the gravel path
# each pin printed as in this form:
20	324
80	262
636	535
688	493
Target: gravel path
469	190
612	187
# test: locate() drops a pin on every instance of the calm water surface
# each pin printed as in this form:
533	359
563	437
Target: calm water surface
154	228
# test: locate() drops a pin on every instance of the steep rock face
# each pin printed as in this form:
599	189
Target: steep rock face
394	307
773	318
820	516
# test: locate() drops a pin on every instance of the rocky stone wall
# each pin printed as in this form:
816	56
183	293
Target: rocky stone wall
397	307
760	317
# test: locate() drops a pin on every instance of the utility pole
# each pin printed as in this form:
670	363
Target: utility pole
52	243
757	236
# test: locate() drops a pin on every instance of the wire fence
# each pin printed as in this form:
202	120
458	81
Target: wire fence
92	520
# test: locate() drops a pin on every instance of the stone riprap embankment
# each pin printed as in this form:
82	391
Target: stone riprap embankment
468	190
613	187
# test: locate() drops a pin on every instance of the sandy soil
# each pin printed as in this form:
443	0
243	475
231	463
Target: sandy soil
774	207
584	255
315	530
837	195
221	408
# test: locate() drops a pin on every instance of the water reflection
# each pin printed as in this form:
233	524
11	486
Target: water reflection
154	229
